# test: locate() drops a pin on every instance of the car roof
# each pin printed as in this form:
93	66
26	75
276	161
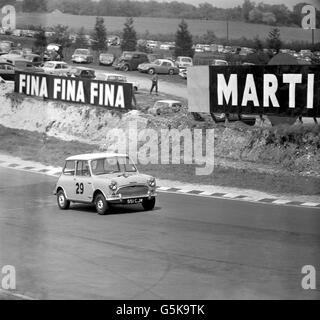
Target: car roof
93	156
113	74
56	62
84	68
165	60
169	101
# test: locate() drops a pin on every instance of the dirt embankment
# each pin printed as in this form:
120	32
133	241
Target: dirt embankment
294	149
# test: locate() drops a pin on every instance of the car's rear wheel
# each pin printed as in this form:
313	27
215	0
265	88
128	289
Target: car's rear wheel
63	202
151	71
101	204
125	68
171	72
148	204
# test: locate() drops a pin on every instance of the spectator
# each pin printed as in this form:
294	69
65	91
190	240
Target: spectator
154	83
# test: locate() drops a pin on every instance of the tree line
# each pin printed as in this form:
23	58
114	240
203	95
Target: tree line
248	11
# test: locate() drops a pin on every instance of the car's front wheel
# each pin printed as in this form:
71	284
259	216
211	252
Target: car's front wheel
63	202
101	204
171	72
148	204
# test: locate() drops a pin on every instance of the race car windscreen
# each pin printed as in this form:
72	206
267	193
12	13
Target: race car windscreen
112	165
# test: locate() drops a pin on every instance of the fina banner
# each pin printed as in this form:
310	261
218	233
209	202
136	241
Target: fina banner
75	90
291	90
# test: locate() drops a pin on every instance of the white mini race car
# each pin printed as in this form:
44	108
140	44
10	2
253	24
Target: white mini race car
104	179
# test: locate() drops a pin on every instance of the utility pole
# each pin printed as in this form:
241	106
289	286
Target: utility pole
227	29
312	30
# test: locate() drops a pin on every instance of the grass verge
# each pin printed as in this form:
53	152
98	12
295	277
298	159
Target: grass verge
51	151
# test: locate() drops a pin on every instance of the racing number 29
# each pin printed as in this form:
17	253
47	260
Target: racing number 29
79	188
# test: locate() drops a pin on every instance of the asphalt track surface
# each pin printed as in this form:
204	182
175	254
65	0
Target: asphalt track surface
187	248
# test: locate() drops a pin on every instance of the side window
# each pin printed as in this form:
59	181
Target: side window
2	67
83	169
69	168
9	67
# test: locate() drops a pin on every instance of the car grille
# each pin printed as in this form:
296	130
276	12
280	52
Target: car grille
133	191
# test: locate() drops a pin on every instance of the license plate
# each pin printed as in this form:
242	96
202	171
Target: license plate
134	201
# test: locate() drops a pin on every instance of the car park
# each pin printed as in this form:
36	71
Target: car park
82	56
6	46
165	107
130	61
7	71
219	62
33	58
56	67
183	73
184	62
30	60
14	52
161	66
114	77
81	72
106	59
104	180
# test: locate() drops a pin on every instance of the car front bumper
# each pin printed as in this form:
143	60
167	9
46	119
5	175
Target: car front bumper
119	199
78	59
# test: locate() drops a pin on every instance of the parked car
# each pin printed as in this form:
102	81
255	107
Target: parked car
82	56
165	107
114	77
6	46
7	71
103	180
219	62
106	59
14	52
129	61
56	67
35	59
159	66
184	62
183	73
81	72
25	65
29	59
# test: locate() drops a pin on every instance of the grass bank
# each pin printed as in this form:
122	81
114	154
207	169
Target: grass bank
51	151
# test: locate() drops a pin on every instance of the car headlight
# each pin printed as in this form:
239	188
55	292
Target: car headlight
113	186
152	182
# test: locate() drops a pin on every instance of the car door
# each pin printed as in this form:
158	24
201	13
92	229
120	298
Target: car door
164	67
67	179
83	182
10	72
57	68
